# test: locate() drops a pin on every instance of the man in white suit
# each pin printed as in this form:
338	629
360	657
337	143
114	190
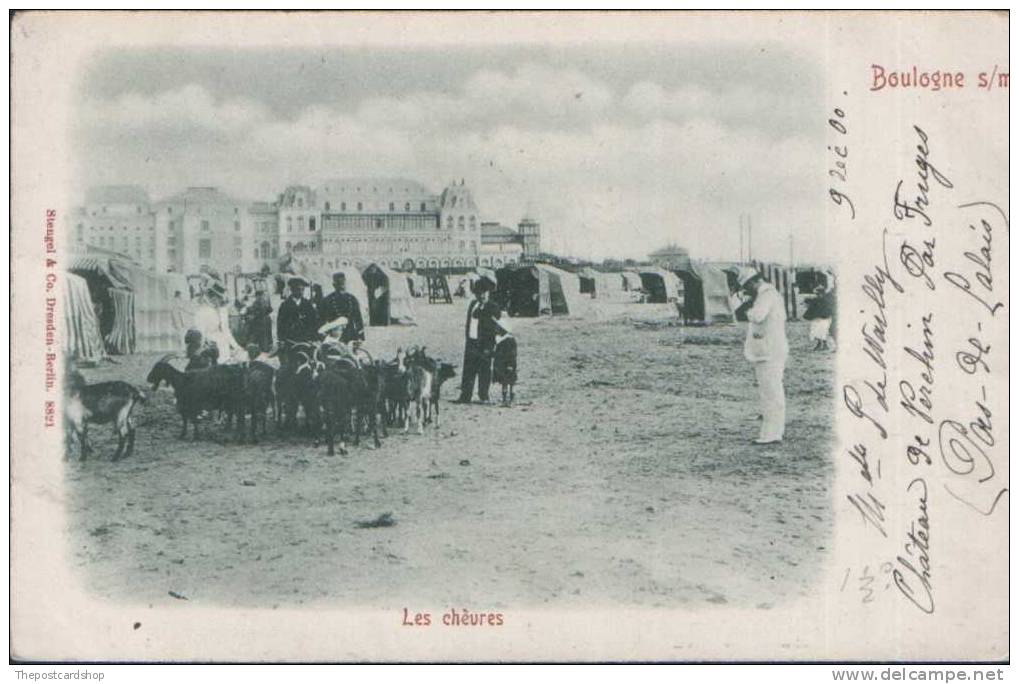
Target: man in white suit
766	349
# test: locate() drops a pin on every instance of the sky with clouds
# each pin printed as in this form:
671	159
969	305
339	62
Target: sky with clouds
616	150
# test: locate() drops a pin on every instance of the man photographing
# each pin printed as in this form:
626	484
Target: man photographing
766	349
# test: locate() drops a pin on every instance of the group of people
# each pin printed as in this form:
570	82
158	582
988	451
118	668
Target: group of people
490	350
335	319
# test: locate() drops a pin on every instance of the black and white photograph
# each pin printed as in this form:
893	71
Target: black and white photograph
374	316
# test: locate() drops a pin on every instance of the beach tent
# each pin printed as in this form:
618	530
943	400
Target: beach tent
539	289
631	281
563	290
81	338
389	298
662	286
139	311
601	285
706	295
323	279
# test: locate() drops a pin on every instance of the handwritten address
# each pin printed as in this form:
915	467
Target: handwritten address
949	444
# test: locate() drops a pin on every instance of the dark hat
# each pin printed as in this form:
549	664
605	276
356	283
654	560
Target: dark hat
482	285
297	280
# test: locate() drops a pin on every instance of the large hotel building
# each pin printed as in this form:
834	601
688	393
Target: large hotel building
343	222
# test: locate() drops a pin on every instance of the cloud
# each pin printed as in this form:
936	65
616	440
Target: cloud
610	171
187	108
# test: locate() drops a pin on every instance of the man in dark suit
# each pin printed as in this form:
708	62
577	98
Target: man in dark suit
341	303
479	332
297	320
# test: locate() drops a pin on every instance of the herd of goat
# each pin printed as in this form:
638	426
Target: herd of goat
337	395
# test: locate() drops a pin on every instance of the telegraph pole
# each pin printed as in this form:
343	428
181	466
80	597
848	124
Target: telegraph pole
741	238
750	239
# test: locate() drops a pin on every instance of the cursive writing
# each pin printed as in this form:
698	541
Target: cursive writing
913	576
984	290
917	207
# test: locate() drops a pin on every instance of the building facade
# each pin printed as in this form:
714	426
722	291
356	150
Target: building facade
343	222
118	218
670	257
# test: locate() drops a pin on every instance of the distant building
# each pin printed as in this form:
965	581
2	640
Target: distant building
203	227
344	222
118	218
530	233
500	245
670	257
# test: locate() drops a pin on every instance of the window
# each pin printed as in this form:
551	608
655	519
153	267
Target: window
300	202
422	206
460	223
290	224
406	207
327	203
300	223
311	223
359	206
392	206
204	248
461	244
102	240
343	206
449	222
288	247
237	225
473	223
378	223
205	226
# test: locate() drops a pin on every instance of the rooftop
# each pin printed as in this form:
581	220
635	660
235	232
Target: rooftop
670	250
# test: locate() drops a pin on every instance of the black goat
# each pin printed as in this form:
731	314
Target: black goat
219	388
348	394
103	402
258	394
295	386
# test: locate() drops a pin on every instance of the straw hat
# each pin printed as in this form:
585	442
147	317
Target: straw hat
745	275
338	324
297	280
504	323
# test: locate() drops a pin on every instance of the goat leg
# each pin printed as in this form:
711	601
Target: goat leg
86	448
130	442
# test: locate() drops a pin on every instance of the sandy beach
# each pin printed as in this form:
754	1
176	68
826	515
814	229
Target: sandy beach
623	476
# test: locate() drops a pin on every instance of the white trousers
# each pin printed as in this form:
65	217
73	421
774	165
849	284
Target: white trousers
772	395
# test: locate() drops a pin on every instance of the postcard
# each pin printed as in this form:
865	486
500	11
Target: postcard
509	336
